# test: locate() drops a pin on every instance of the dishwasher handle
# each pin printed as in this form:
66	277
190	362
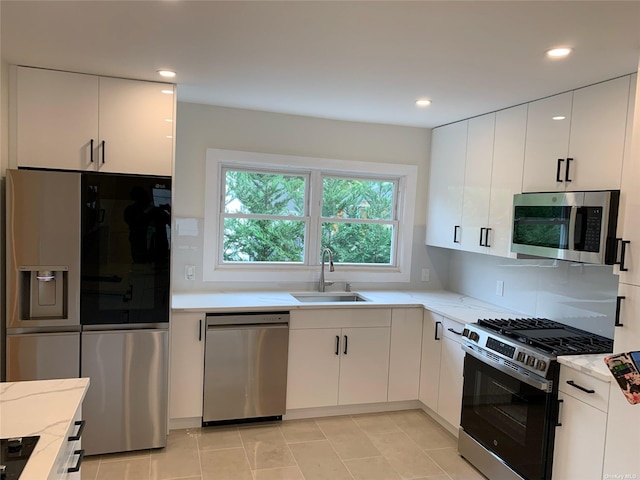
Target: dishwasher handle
246	326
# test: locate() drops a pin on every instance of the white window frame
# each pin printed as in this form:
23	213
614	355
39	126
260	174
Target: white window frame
213	268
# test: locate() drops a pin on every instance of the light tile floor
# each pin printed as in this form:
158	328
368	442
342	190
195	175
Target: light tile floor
385	446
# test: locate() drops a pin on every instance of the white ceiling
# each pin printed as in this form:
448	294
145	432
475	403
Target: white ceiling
362	60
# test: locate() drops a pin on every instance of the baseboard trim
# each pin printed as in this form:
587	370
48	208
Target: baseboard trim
182	423
300	413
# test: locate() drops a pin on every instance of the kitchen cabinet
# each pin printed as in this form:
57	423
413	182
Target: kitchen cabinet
576	140
74	121
580	436
338	357
627	332
186	366
442	366
446	184
405	353
621	459
477	183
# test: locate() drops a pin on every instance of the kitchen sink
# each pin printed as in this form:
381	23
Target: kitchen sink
315	297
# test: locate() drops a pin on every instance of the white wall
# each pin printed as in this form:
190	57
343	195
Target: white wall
201	126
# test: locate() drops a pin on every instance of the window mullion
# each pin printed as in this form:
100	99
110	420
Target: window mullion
315	210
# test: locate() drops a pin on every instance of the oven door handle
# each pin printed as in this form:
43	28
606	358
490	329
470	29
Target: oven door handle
540	384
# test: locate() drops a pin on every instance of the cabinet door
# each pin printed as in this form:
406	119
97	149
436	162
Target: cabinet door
136	126
627	336
364	365
598	121
628	225
57	117
621	459
451	368
186	367
506	177
579	445
432	332
446	182
477	182
547	141
314	363
404	361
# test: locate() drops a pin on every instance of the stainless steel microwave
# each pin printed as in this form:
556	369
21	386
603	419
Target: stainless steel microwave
575	226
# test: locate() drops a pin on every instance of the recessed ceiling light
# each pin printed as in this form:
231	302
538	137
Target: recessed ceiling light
559	117
168	92
559	52
167	73
423	102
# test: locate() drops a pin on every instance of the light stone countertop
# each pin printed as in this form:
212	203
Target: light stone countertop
458	307
45	408
590	364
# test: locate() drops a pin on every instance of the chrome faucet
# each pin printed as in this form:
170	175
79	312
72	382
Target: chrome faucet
321	282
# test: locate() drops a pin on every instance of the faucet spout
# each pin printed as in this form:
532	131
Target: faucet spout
321	283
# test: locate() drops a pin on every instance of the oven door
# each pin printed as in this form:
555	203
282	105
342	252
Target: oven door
509	418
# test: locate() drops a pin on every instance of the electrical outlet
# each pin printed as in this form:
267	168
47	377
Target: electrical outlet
190	272
425	274
500	288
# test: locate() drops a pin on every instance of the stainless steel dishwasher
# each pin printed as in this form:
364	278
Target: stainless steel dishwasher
245	369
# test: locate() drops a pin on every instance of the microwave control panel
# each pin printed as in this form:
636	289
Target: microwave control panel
589	240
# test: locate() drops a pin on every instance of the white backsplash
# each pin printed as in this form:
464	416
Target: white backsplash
579	295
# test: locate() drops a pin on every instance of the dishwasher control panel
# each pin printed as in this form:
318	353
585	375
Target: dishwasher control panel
247	318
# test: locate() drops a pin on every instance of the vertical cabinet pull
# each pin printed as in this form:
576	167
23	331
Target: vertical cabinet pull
200	331
455	234
91	150
80	454
558	422
482	229
618	302
337	344
435	331
566	172
80	424
558	179
623	252
103	147
346	344
486	237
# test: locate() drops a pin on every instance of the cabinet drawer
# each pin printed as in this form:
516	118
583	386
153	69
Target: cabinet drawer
449	329
598	390
340	318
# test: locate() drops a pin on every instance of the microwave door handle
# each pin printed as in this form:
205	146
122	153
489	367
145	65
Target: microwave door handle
578	229
572	227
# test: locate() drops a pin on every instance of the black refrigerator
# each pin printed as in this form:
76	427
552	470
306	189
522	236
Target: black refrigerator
116	306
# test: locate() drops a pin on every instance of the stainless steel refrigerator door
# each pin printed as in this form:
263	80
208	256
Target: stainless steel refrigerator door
245	371
43	356
43	249
126	405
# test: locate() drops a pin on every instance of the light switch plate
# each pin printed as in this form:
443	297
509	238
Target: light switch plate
500	288
190	272
425	274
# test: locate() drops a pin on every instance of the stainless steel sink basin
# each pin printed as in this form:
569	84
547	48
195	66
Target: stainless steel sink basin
315	297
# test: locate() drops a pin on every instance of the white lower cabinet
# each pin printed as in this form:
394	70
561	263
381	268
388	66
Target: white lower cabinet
406	347
442	367
338	357
580	437
186	365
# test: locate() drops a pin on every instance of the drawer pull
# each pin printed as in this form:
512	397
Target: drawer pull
80	430
80	454
575	385
453	331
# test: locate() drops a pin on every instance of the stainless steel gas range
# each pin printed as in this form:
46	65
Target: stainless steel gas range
510	393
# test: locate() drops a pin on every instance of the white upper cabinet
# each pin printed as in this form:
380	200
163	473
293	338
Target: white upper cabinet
73	121
57	119
446	183
506	177
477	183
575	140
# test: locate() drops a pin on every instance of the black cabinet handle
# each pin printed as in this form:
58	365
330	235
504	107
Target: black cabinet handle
103	147
80	454
558	179
200	331
91	150
346	344
455	234
575	385
486	237
618	302
337	344
435	332
560	402
566	172
623	251
482	229
453	331
78	434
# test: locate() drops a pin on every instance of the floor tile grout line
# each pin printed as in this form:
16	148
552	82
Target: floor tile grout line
199	456
290	451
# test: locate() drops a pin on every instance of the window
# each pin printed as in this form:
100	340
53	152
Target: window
272	215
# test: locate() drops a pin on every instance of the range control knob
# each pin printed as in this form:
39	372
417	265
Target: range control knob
531	361
521	356
541	365
474	336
